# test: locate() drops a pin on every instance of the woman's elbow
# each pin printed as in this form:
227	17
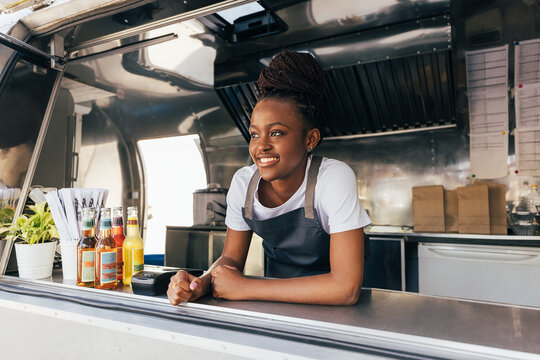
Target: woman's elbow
353	296
350	294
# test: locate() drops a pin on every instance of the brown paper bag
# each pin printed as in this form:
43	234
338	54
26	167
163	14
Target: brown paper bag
473	210
450	211
497	207
428	208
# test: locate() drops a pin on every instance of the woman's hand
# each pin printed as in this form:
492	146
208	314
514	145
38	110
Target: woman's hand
228	283
185	287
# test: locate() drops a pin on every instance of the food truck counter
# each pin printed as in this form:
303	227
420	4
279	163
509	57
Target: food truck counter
382	323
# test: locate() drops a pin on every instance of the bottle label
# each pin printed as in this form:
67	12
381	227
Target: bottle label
88	273
108	266
119	262
87	224
105	224
118	230
137	259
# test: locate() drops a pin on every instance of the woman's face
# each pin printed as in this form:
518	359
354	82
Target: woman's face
279	140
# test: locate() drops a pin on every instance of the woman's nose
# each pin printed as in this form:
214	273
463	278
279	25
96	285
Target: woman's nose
264	142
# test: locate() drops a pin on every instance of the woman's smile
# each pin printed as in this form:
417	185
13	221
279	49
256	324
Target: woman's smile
267	161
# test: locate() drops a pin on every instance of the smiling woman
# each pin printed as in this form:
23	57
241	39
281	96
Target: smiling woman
304	206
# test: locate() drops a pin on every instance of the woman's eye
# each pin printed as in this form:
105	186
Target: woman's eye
276	133
253	135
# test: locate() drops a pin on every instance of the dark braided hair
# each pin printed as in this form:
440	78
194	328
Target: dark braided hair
296	77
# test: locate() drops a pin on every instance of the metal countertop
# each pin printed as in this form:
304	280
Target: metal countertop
454	238
409	235
488	324
462	321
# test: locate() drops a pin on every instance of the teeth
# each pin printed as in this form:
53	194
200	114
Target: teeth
265	160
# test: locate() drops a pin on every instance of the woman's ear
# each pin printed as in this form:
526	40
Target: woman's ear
312	138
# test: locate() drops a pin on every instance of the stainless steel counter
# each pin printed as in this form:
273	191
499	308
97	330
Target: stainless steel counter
382	322
478	239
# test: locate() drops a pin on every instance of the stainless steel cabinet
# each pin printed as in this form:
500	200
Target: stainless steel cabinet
390	263
506	274
193	247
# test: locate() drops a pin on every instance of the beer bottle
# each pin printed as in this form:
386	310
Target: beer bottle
105	254
86	248
133	247
118	233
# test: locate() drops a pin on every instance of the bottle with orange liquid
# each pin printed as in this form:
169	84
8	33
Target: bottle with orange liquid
105	254
133	247
118	234
86	248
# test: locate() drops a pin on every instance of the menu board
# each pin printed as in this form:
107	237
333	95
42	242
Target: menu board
487	89
527	96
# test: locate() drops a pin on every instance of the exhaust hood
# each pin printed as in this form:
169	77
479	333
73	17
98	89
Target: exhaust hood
383	80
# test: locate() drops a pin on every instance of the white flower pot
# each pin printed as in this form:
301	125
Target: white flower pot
35	261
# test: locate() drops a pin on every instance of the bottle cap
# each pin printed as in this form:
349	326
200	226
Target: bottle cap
105	213
89	212
133	211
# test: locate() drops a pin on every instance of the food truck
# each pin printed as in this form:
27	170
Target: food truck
434	104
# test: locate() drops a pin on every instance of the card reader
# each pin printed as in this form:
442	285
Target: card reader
154	280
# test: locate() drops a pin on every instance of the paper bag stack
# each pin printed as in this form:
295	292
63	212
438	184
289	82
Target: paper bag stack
476	209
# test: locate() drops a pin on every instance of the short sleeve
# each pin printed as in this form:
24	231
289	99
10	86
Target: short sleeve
236	197
338	197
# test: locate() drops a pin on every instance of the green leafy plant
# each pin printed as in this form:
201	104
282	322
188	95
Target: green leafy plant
37	227
6	217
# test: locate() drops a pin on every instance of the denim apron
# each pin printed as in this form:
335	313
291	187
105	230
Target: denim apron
295	244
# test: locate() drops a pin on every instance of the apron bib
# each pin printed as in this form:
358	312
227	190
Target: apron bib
295	244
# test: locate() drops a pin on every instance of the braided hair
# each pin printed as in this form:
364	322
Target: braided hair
295	77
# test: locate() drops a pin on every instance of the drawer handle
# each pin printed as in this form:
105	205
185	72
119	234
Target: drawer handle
483	255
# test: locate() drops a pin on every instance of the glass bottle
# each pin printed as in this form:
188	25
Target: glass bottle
534	199
118	233
86	248
133	247
105	254
534	207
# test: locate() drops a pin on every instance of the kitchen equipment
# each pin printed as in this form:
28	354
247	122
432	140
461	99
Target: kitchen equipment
507	274
210	205
154	280
195	246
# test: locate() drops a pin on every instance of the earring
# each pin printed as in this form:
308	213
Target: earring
309	149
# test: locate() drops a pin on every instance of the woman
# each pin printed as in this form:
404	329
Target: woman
305	207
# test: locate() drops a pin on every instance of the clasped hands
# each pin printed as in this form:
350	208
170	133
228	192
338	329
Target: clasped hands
225	282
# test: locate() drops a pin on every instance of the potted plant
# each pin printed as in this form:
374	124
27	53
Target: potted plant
35	242
6	218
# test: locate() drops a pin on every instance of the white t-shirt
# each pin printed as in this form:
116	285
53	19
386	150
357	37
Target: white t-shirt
336	199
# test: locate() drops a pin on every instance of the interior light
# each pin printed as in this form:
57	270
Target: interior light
230	15
346	9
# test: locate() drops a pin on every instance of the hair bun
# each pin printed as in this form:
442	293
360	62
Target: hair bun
293	71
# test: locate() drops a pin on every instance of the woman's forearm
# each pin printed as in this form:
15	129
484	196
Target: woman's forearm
326	289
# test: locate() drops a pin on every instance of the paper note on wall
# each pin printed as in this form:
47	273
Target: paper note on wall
528	151
527	62
487	90
489	155
527	82
528	106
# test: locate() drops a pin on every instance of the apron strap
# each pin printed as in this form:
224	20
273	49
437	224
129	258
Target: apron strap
310	189
248	205
310	186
